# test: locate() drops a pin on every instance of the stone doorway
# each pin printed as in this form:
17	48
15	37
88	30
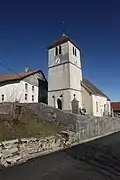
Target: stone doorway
59	104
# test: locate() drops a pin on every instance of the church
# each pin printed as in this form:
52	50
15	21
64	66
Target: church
66	82
66	88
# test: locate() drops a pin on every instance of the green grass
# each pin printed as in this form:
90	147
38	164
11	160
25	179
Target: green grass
27	127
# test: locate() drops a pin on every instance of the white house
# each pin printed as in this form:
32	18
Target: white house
65	80
26	87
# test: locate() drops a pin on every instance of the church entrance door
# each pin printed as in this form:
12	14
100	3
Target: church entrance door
59	104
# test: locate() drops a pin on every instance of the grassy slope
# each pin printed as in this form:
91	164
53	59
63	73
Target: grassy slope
27	127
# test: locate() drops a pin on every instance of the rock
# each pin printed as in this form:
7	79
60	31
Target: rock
13	160
6	144
8	153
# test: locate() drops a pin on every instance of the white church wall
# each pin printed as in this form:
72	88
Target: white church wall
53	96
87	101
109	106
101	101
58	77
67	97
75	77
72	58
64	56
78	96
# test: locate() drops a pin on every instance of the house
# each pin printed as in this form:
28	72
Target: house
115	106
26	87
66	82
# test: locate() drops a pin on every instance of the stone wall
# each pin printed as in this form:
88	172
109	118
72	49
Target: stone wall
82	128
6	108
90	125
20	150
87	126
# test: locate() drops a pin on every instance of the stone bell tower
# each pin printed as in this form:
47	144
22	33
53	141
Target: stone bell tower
64	74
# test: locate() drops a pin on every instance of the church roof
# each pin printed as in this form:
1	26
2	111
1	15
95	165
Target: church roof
92	89
61	40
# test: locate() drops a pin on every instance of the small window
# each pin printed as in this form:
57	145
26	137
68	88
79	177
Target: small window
104	107
25	96
56	51
32	97
96	106
26	86
73	50
60	50
2	97
32	88
75	53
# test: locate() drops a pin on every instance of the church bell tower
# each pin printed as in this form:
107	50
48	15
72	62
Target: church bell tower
64	74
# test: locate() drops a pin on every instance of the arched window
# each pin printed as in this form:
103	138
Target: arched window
56	51
59	104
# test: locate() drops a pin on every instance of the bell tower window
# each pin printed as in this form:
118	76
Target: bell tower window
73	50
75	53
58	50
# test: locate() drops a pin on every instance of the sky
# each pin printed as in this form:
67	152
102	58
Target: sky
28	27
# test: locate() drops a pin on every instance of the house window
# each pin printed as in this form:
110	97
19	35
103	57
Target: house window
2	97
32	88
26	86
96	106
25	96
56	51
104	107
32	97
60	50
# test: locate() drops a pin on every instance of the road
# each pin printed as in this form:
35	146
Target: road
96	160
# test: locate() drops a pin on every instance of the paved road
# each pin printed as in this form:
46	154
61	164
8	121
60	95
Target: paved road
96	160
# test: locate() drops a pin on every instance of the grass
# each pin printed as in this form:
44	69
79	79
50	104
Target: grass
28	126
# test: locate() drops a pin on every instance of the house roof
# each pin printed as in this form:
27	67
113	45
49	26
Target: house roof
17	76
61	40
92	89
115	106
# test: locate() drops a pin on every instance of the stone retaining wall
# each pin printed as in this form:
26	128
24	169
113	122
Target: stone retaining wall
85	128
19	150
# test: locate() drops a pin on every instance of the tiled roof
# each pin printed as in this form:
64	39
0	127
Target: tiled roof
61	40
92	89
115	106
17	76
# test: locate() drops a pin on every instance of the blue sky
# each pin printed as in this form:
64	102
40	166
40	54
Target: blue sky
28	27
